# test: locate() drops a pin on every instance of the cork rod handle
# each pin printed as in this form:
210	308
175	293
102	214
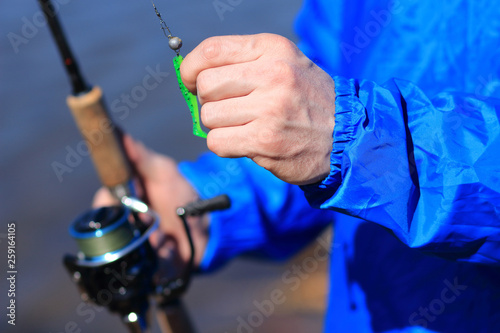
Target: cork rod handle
102	137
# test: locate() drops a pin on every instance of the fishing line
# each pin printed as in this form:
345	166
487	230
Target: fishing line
175	43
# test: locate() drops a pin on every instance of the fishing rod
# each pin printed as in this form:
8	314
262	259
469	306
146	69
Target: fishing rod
115	264
90	114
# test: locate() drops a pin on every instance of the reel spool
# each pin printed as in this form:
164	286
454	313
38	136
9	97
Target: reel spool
101	232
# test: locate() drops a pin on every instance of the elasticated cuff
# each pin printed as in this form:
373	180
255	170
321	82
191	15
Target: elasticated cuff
347	106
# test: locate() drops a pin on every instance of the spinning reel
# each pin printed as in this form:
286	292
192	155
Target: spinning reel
115	264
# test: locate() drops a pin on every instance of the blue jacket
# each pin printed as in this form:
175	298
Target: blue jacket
415	164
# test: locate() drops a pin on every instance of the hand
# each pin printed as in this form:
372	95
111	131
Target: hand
264	99
166	189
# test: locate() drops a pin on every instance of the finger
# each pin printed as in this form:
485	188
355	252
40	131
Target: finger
220	51
229	112
157	238
146	161
215	84
133	148
138	155
103	198
230	141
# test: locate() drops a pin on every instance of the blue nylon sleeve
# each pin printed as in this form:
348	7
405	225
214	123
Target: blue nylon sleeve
429	170
268	217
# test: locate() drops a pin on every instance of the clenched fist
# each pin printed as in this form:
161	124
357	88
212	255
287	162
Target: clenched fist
264	99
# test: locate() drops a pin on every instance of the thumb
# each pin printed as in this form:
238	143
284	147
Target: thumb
103	198
148	164
139	155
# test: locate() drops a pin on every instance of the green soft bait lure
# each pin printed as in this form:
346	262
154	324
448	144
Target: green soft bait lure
175	44
191	100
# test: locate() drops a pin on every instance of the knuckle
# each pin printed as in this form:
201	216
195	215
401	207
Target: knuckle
282	108
265	138
273	39
268	140
211	48
282	44
280	102
283	73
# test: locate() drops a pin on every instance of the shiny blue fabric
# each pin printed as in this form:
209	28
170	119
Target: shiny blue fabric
416	153
415	166
418	167
268	218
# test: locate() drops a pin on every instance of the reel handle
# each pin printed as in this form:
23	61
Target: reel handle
102	137
201	207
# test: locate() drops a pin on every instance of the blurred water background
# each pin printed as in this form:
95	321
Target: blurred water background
117	43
